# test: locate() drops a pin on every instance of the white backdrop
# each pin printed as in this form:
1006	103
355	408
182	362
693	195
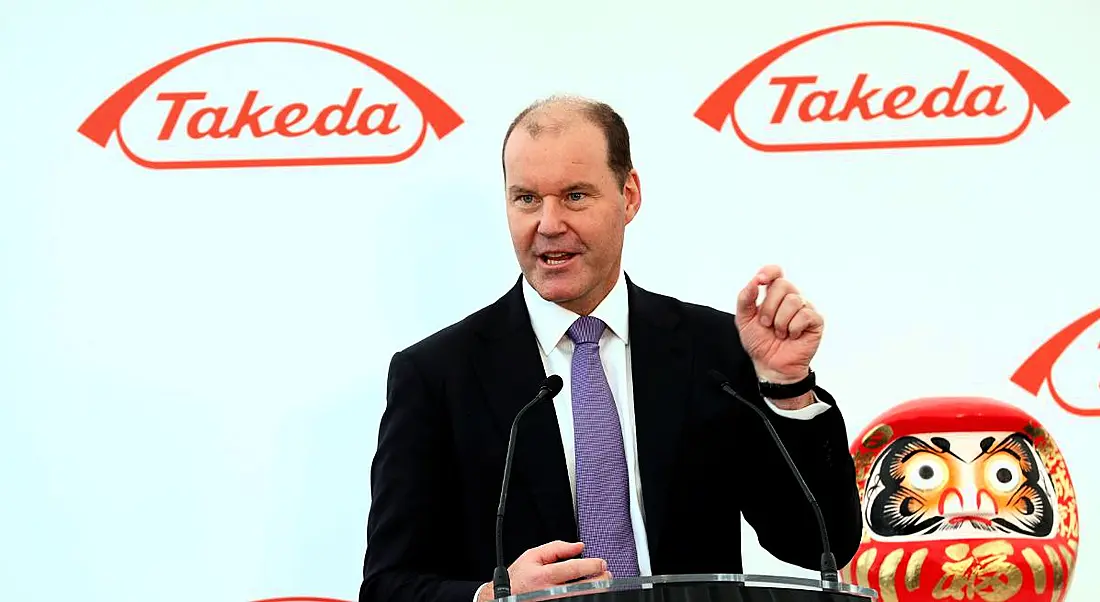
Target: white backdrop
192	361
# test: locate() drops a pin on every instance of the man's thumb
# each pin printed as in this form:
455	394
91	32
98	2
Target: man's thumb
746	301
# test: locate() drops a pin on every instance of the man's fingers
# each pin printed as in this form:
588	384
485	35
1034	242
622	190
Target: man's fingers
769	276
769	273
777	291
555	551
570	570
790	306
805	320
605	576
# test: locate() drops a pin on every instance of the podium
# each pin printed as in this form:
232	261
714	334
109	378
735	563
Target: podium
702	588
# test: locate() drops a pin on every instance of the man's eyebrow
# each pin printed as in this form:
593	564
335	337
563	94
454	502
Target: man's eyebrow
515	189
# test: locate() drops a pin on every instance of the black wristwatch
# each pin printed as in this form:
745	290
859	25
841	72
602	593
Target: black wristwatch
788	391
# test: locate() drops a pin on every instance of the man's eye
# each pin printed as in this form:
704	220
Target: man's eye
526	198
576	196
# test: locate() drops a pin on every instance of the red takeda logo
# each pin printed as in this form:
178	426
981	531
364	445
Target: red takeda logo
879	85
270	102
1080	356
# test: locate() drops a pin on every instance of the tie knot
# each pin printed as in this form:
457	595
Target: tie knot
586	330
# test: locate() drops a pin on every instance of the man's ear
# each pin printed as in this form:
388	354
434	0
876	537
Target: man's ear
632	194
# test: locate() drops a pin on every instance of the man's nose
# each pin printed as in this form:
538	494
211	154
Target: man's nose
552	219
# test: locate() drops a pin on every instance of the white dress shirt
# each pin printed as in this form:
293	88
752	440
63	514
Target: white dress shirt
551	323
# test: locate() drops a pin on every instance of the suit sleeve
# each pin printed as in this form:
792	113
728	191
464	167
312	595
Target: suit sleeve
777	509
411	530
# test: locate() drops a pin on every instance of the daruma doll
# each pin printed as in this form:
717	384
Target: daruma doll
963	498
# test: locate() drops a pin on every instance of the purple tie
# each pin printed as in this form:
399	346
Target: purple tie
603	494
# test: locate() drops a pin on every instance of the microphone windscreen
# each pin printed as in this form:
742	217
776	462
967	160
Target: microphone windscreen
554	384
719	378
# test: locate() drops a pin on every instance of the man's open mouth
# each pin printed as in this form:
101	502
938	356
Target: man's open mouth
556	258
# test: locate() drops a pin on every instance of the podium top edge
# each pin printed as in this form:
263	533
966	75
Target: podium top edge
633	583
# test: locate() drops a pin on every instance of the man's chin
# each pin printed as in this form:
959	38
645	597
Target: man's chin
557	294
555	288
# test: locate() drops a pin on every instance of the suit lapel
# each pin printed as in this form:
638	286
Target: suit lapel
511	374
661	366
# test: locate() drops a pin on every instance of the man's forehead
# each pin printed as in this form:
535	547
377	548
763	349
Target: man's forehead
577	141
551	176
552	170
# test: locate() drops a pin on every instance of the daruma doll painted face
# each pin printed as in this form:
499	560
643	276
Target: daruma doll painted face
964	498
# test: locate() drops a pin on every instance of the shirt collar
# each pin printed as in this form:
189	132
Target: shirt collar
551	321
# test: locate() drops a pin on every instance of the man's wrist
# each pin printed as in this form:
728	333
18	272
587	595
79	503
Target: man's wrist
790	388
782	378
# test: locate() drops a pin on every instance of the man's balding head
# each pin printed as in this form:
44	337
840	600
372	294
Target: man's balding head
554	114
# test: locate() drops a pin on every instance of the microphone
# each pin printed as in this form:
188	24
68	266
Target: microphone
828	561
502	587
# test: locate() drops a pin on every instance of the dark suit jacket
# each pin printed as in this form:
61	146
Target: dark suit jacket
704	458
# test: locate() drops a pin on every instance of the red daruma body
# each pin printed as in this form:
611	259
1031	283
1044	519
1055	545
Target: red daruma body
963	498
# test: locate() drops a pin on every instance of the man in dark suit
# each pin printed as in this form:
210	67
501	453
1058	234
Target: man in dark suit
640	465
